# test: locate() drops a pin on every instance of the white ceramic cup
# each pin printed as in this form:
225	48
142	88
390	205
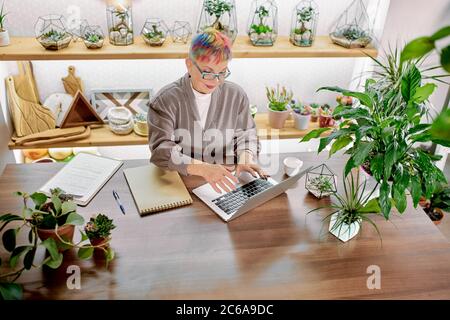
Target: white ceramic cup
292	165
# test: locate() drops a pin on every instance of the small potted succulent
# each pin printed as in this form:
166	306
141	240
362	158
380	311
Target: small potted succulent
155	32
98	230
315	108
439	202
302	115
93	37
351	36
326	116
55	40
4	34
279	105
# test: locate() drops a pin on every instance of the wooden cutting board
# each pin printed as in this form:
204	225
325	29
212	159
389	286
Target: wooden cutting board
25	83
72	83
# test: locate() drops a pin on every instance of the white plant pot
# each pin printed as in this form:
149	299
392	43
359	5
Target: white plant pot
4	38
343	232
301	122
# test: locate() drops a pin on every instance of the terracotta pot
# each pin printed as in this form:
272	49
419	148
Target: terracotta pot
326	121
102	242
278	118
314	118
65	232
423	202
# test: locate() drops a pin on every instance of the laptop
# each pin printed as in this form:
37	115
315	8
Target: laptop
250	193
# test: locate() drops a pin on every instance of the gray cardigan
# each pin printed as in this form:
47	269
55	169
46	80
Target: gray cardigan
176	135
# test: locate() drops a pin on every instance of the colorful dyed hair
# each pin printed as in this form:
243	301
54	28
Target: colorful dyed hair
211	45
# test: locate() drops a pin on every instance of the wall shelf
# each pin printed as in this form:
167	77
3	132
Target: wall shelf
28	48
101	137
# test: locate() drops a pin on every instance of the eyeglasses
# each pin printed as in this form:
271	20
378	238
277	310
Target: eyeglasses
211	75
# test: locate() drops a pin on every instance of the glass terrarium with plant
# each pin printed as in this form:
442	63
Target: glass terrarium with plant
304	23
220	15
93	37
120	22
352	29
263	24
52	33
321	181
155	32
181	31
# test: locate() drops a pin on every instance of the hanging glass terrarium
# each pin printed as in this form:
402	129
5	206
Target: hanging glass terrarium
352	29
52	33
263	23
304	23
120	22
220	15
321	181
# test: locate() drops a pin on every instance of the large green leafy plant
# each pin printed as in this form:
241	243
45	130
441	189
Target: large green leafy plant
47	213
383	130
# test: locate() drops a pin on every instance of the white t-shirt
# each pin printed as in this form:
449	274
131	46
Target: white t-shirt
203	101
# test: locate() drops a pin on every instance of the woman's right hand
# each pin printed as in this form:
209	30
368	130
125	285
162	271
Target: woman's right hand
215	174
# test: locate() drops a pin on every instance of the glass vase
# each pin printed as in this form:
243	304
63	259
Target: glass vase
220	15
304	23
120	22
262	27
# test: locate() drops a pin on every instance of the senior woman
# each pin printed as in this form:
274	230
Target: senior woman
201	124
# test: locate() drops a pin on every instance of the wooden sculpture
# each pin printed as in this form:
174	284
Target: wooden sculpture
80	113
28	117
72	84
25	83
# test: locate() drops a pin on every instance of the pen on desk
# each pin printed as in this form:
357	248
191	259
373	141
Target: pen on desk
116	196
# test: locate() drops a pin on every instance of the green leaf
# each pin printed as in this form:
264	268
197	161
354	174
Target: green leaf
16	254
445	58
441	33
75	219
334	135
376	167
419	128
54	263
340	143
30	235
389	160
56	203
423	93
39	198
110	254
355	113
349	166
29	258
362	151
371	207
385	202
399	197
11	291
314	134
410	82
84	237
68	206
9	239
439	129
10	217
85	252
417	48
51	247
415	189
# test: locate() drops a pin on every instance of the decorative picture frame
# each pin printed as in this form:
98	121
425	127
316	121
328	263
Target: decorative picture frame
136	100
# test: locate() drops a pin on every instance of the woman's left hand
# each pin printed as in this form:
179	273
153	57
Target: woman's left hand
246	163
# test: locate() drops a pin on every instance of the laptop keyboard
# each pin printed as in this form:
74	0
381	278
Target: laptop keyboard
233	200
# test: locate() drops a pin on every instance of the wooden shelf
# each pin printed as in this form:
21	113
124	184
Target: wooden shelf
103	137
26	48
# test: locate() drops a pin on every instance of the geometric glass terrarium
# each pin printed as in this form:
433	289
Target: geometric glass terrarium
155	32
52	33
181	31
220	15
76	28
321	181
93	37
120	22
352	29
263	23
304	23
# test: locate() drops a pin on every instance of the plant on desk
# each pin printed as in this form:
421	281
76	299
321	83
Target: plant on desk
279	102
439	201
49	223
98	230
351	209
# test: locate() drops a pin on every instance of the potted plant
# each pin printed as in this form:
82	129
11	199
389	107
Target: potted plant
155	32
315	108
304	23
98	230
320	181
351	36
4	34
439	202
93	37
55	40
50	224
350	209
52	33
279	109
220	15
262	29
326	116
302	116
344	101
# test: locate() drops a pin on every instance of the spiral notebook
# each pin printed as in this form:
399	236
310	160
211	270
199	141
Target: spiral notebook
155	189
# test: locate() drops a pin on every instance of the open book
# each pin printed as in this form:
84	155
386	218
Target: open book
83	177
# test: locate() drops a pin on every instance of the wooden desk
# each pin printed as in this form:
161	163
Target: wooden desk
272	252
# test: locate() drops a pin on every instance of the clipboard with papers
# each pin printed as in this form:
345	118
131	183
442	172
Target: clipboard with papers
83	177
